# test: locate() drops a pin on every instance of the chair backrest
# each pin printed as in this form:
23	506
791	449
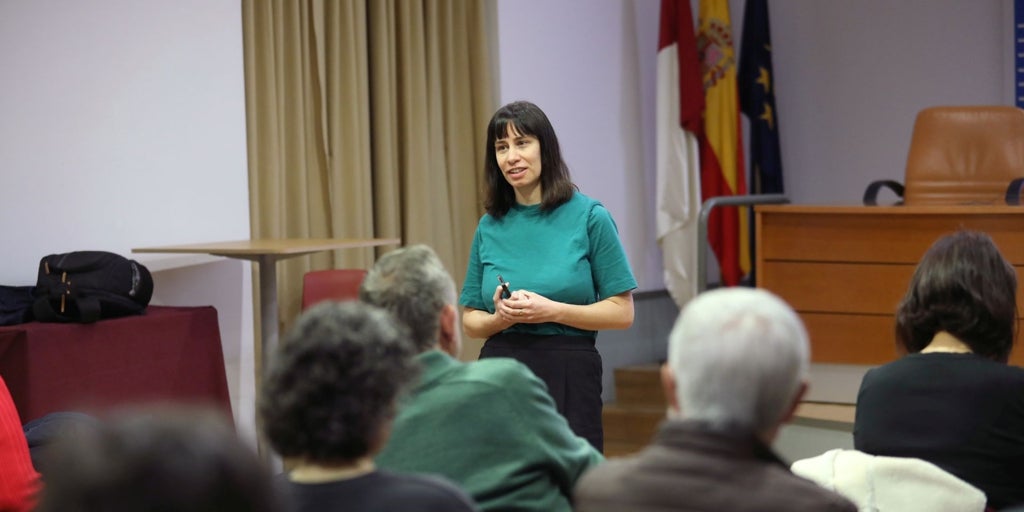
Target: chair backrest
964	154
333	284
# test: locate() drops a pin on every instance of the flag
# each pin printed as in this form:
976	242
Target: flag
680	102
722	169
757	99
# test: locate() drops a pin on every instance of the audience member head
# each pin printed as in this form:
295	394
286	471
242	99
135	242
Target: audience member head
525	118
330	392
738	359
45	431
412	284
158	460
965	287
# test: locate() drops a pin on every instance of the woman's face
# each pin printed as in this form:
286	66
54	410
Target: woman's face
519	160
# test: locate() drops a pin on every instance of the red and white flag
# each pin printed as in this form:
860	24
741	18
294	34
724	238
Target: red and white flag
680	105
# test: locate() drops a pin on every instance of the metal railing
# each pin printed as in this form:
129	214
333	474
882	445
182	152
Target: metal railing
705	215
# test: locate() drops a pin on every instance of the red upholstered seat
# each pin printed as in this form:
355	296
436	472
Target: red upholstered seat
333	284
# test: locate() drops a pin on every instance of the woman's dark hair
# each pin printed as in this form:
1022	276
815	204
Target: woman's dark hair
965	287
525	118
332	386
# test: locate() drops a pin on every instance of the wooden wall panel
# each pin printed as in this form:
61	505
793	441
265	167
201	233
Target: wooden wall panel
851	339
837	287
880	234
845	268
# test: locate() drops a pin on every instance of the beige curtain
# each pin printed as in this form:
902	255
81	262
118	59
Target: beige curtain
365	119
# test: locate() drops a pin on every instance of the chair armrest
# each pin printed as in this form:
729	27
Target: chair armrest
1013	191
871	193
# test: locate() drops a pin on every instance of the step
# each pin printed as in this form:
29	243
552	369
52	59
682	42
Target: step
630	424
826	414
639	385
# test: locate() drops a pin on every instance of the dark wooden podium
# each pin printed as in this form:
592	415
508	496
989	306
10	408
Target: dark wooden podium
845	268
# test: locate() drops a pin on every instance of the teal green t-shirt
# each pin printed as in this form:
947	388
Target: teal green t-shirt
571	254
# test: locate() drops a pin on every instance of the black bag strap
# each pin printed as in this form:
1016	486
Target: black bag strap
43	311
88	309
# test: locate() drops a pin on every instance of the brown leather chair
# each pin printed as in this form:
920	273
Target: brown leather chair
962	155
334	284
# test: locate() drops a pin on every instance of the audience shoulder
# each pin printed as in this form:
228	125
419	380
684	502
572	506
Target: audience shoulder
604	483
503	372
501	379
438	492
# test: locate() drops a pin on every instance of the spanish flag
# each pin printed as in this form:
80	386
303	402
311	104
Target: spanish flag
680	121
722	167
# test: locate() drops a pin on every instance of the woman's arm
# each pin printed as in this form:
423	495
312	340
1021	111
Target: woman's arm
479	323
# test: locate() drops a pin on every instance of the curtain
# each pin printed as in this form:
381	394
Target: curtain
366	119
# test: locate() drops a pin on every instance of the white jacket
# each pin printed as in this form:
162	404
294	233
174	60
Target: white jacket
890	484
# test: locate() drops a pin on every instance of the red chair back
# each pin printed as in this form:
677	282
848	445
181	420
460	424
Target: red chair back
333	284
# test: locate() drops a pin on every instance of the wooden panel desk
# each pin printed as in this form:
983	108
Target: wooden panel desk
845	268
266	253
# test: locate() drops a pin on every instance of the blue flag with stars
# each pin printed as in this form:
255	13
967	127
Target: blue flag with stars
757	99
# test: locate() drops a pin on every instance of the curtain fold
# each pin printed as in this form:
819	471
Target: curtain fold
365	119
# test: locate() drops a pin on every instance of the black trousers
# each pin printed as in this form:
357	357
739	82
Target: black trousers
571	368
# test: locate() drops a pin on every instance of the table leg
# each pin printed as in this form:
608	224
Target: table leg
268	312
268	341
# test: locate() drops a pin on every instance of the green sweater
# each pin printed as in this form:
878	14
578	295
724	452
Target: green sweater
571	254
491	427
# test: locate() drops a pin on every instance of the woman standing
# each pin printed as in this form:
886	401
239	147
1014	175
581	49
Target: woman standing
560	252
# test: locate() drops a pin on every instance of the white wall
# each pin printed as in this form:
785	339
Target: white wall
122	124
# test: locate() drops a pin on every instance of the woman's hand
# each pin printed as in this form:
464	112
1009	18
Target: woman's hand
526	307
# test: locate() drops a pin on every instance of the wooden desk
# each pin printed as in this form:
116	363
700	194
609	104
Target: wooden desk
845	268
266	253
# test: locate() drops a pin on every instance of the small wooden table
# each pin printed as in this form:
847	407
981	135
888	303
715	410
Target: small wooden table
267	252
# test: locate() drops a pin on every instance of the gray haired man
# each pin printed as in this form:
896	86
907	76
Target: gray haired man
736	371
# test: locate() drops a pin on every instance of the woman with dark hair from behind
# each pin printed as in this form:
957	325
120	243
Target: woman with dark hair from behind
164	459
326	406
953	400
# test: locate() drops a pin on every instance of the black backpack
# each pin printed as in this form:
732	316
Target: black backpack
85	286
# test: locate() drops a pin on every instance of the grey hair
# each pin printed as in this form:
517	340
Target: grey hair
739	356
414	286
